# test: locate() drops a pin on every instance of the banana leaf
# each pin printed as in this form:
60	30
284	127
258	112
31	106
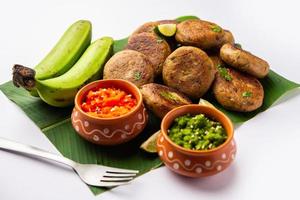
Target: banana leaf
55	124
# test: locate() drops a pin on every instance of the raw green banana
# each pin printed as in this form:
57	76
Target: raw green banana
65	53
60	91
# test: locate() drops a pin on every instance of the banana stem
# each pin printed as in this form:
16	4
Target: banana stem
23	76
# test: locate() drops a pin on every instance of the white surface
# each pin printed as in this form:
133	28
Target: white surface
267	164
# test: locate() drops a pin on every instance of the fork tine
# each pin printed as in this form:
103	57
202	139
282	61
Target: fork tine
115	179
118	170
120	173
114	175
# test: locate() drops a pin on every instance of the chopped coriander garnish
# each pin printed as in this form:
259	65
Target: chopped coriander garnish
169	96
137	75
216	28
247	94
197	132
224	73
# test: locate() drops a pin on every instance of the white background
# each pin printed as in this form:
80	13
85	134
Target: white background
267	164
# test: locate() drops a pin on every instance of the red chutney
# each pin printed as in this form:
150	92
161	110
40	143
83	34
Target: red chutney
108	102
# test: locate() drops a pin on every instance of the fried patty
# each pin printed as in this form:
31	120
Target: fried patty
217	61
129	65
228	37
150	26
244	61
156	48
243	93
189	70
161	99
199	33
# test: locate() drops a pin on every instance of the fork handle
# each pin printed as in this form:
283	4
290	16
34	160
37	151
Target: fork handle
34	151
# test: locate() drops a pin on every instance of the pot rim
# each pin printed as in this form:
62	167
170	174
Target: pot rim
129	86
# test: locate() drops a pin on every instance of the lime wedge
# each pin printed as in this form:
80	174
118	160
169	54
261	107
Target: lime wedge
150	144
206	103
167	29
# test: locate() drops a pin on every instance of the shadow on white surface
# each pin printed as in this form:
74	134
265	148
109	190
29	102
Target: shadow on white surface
40	161
211	184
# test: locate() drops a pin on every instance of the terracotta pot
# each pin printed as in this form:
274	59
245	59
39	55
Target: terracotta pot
109	131
196	163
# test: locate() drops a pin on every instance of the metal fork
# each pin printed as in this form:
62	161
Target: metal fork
96	175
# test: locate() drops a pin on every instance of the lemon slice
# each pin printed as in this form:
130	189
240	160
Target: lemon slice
150	144
206	103
167	29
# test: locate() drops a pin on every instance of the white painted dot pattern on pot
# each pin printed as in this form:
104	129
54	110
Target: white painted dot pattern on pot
198	170
140	116
76	113
96	138
127	127
160	153
187	162
232	143
123	136
170	154
106	130
176	166
190	166
224	156
207	163
77	128
86	123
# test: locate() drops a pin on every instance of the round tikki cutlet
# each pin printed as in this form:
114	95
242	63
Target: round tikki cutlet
228	37
199	33
129	65
244	61
217	61
149	27
156	48
161	99
189	70
237	91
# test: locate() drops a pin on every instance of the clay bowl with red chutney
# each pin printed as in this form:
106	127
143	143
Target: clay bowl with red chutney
196	163
103	125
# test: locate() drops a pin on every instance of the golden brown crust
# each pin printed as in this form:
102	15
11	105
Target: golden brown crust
243	93
189	70
161	99
199	33
152	46
150	26
146	28
244	61
217	61
129	65
228	37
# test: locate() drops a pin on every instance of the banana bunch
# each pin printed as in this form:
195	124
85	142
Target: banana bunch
72	63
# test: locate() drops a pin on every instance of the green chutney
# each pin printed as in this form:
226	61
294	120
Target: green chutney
197	132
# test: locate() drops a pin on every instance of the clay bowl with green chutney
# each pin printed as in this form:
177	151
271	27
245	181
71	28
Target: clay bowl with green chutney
196	141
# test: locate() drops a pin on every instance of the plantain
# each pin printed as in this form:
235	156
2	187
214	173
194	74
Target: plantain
60	91
65	53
